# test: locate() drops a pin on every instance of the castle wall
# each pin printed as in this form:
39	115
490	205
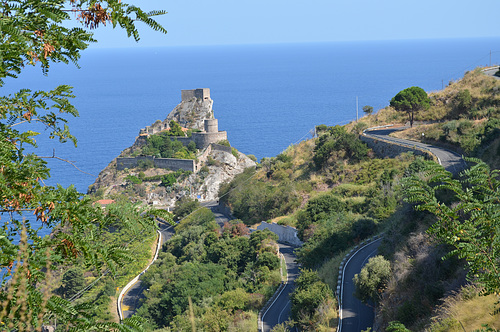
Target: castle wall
222	148
203	94
167	163
211	126
203	140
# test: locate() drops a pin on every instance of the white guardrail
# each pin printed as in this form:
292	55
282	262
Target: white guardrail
131	283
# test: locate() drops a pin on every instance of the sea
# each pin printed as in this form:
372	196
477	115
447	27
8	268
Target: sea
267	97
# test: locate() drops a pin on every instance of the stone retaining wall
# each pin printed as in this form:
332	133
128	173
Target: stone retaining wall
391	149
286	234
167	163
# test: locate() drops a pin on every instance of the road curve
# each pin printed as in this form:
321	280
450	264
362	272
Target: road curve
131	299
451	161
354	316
279	311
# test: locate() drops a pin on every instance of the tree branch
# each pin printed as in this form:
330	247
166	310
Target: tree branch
67	161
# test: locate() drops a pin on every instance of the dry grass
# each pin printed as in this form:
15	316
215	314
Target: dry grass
463	311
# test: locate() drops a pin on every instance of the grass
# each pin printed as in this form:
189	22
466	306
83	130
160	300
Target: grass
284	272
328	272
468	314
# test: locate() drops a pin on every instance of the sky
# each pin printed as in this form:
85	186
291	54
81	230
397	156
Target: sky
227	22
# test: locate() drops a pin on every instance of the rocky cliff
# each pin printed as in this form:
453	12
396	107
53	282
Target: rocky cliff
192	113
215	165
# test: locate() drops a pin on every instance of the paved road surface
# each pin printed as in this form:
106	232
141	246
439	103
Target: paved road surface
131	300
451	161
279	311
356	316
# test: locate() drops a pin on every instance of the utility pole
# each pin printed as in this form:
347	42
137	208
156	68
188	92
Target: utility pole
490	58
356	108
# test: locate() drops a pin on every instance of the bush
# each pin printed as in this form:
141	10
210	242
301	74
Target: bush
184	207
269	259
372	279
224	143
133	179
168	180
252	157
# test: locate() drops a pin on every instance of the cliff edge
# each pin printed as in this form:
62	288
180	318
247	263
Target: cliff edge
143	174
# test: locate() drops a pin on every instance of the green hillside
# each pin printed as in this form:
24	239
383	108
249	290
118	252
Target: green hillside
337	193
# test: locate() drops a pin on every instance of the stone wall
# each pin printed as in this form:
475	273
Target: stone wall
222	148
390	149
286	234
167	163
187	95
203	140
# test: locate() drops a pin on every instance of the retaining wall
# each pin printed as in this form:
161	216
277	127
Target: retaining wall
222	148
170	163
390	149
286	234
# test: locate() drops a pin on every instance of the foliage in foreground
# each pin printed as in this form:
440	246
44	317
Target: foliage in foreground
36	33
472	225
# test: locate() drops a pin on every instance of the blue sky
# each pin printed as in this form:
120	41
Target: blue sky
222	22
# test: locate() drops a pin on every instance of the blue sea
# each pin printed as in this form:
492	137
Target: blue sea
266	97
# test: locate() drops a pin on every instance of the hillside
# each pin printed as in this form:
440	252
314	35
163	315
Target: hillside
337	193
464	117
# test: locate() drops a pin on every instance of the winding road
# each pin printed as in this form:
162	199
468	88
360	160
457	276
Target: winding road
131	299
451	161
279	311
354	316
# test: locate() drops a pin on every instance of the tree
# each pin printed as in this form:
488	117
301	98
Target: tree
372	279
471	223
175	129
411	100
368	109
35	32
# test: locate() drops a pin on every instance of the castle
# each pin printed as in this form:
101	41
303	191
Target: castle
209	137
203	94
203	139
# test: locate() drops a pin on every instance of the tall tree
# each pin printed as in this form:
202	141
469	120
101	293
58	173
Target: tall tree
411	100
368	109
36	32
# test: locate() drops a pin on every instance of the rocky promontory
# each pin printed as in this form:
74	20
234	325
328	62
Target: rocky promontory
200	159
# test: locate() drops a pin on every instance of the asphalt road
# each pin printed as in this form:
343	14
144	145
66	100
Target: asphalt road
451	161
280	309
354	315
131	299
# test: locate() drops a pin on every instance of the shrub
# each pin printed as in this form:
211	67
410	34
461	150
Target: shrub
372	279
224	143
168	180
234	152
133	179
252	157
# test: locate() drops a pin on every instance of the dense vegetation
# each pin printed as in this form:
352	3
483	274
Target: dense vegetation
215	278
163	146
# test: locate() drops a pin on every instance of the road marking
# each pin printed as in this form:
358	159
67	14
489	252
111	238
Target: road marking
279	317
339	329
